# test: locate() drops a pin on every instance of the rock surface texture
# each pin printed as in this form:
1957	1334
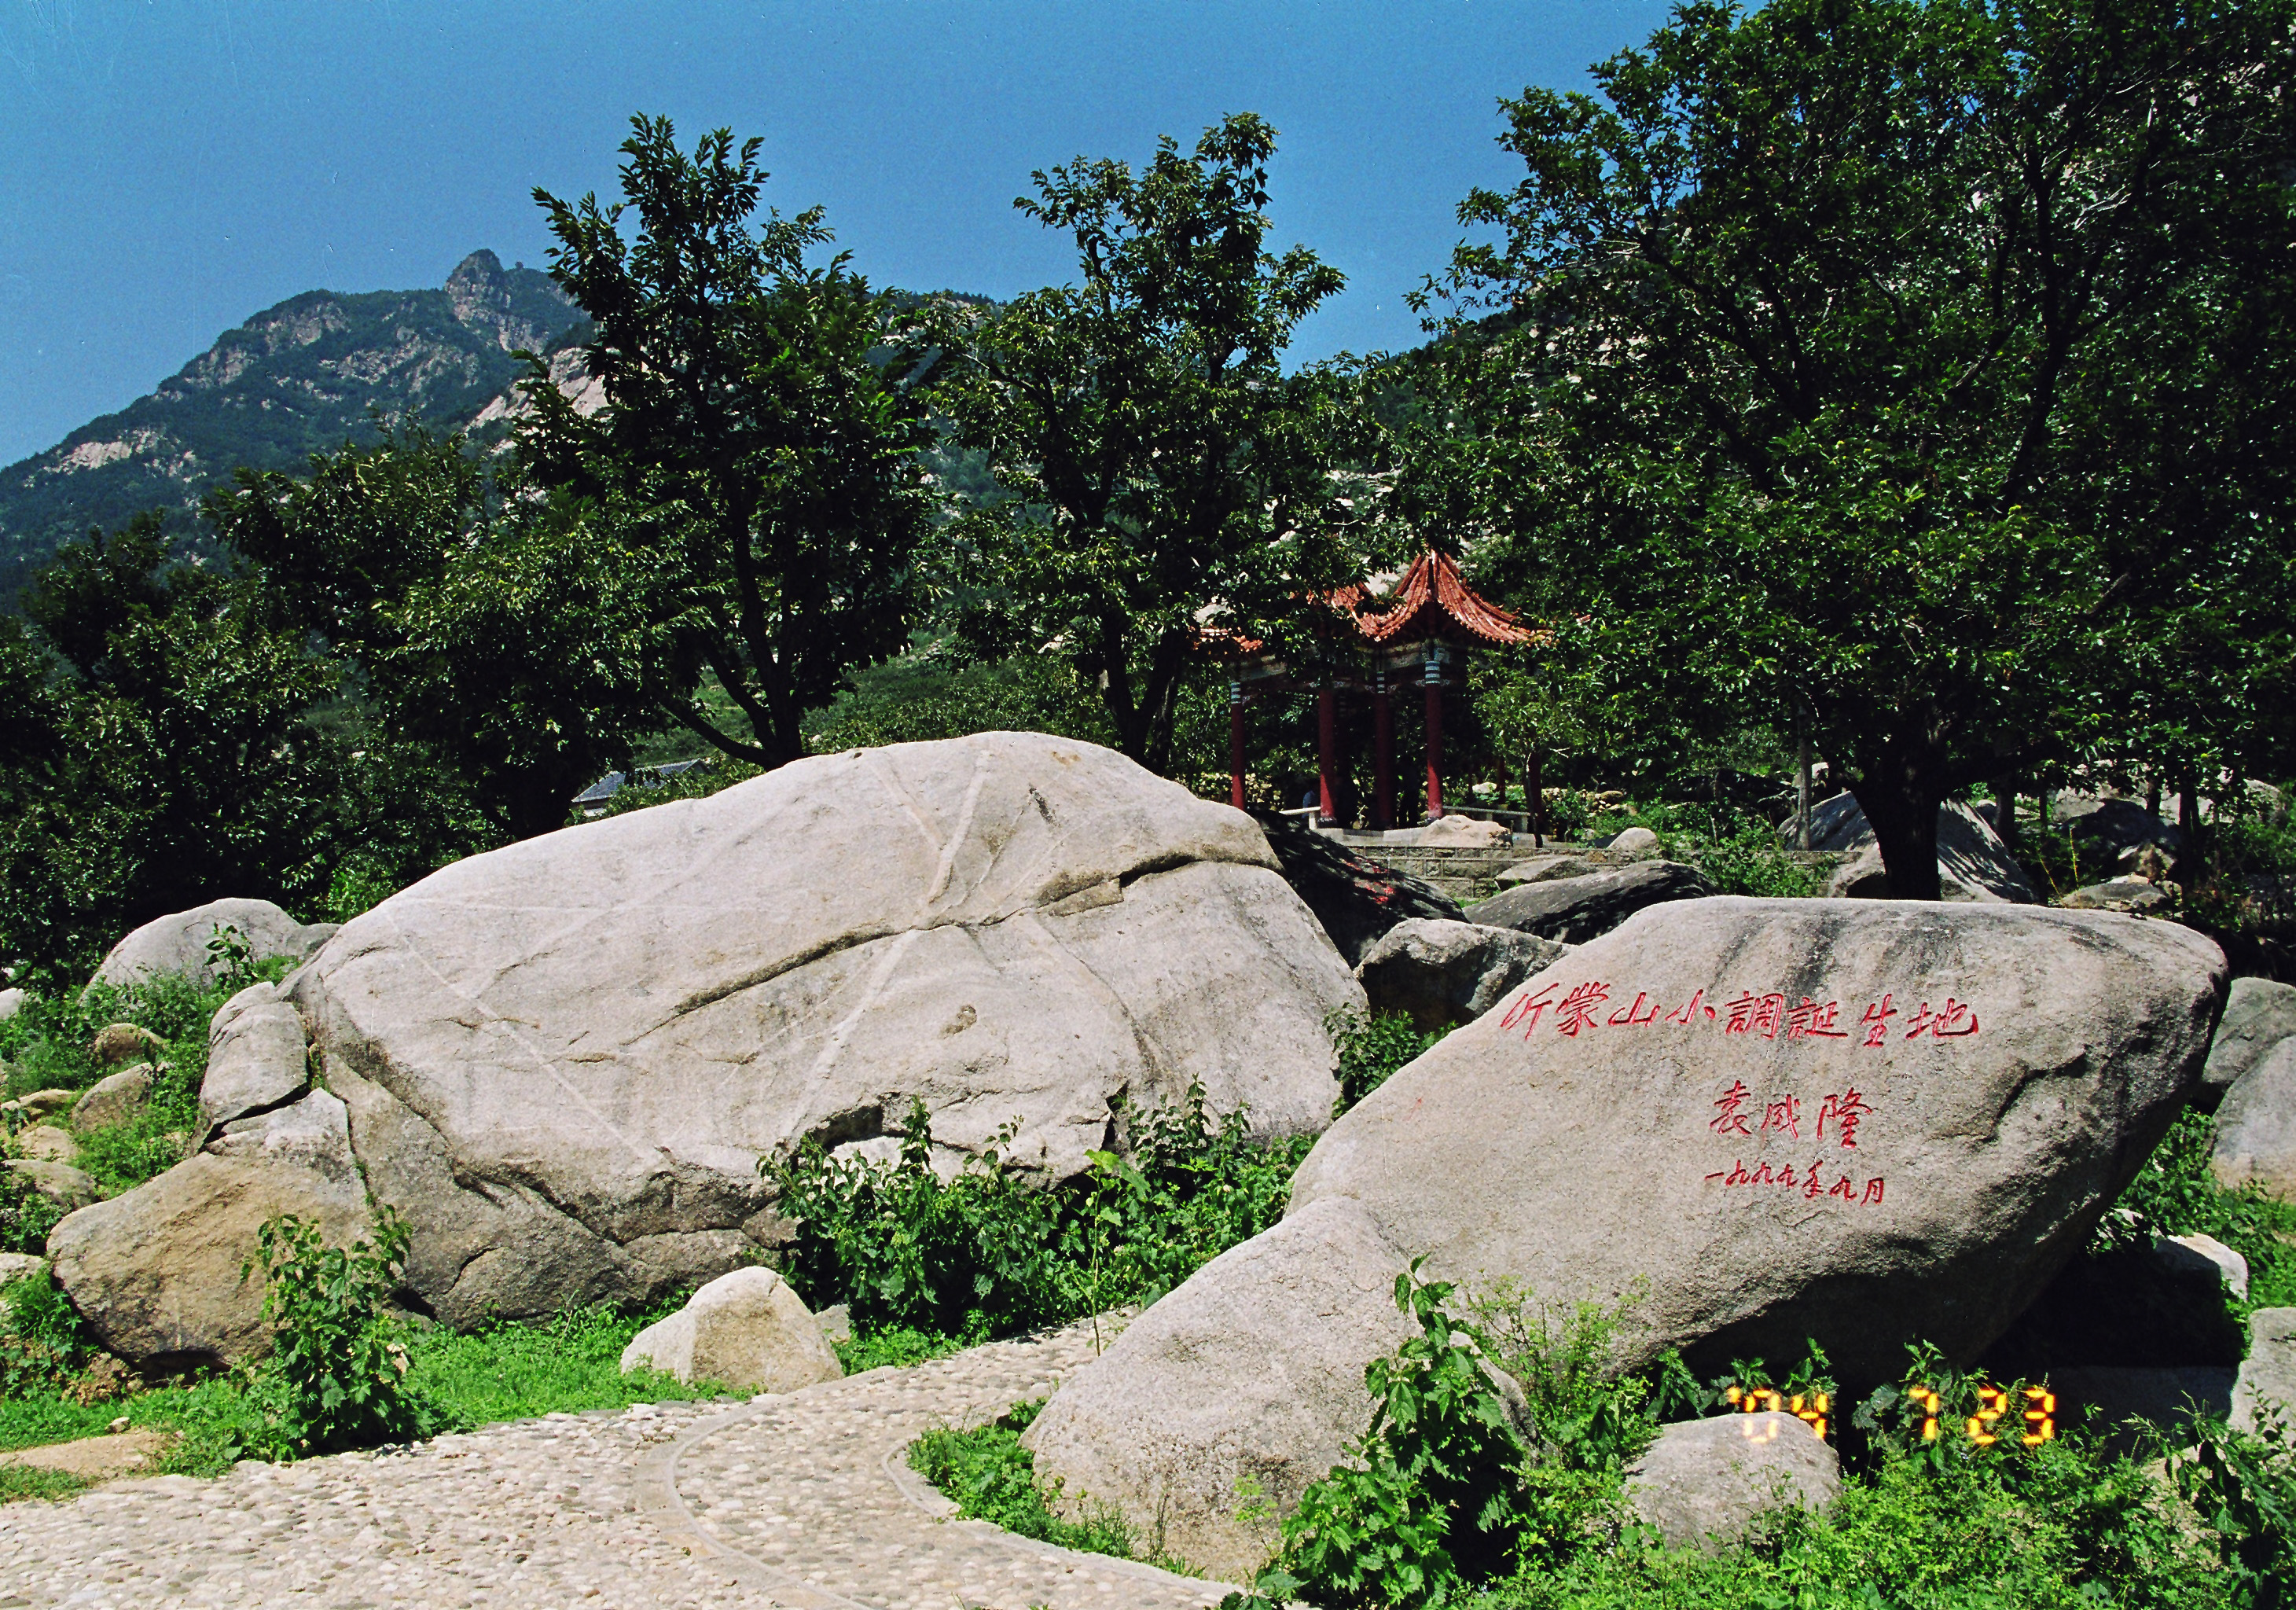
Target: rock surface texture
1355	899
156	1270
2256	1125
1702	1481
1465	831
563	1059
1442	973
747	1329
115	1098
2266	1384
2119	894
1253	1369
1546	869
1576	910
1973	862
2259	1012
179	943
256	1058
1746	1123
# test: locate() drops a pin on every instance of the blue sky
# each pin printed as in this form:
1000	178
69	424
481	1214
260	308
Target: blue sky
169	167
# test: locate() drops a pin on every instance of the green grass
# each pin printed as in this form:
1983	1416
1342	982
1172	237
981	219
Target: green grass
17	1483
898	1346
503	1372
992	1478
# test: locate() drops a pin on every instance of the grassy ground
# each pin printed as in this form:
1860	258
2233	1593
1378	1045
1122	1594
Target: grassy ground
504	1372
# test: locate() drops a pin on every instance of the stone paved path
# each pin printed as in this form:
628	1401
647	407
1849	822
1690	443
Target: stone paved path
801	1501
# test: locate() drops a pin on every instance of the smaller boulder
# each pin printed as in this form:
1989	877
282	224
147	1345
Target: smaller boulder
115	1098
116	1043
46	1142
1635	840
2120	894
1442	973
747	1329
20	1266
38	1105
256	1058
12	1001
2256	1126
2187	1256
1546	869
1464	833
179	944
1575	910
60	1182
2258	1013
2168	1397
1973	862
1702	1481
2267	1385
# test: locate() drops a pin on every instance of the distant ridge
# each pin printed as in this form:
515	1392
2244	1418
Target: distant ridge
296	379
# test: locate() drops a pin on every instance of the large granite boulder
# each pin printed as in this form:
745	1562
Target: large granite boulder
1703	1482
179	943
1576	909
2106	829
2259	1012
1355	899
1744	1123
1973	864
746	1329
1252	1371
156	1270
563	1059
1442	973
2256	1126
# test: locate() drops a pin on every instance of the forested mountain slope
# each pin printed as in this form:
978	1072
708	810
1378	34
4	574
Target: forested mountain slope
296	378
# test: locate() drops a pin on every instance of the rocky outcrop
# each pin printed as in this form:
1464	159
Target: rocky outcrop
1252	1371
1576	910
1355	899
2256	1126
1973	864
1634	841
2258	1013
1703	1481
256	1058
1743	1124
156	1271
60	1183
563	1059
746	1330
115	1098
179	943
2266	1387
1442	973
1546	869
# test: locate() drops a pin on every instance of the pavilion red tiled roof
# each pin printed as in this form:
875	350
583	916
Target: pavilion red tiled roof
1433	600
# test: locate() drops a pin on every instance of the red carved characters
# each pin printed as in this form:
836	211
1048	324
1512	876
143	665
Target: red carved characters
1846	1109
1811	1187
1949	1021
1576	1011
1756	1013
1810	1021
1729	1120
1750	1015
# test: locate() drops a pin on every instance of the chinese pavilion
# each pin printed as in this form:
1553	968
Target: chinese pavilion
1419	631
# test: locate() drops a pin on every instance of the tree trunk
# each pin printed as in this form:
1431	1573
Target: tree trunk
1902	814
2005	809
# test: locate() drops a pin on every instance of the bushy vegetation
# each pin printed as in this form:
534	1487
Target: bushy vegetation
988	1252
2175	1194
1371	1046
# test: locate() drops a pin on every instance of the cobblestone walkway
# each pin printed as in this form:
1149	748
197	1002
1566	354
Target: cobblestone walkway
801	1501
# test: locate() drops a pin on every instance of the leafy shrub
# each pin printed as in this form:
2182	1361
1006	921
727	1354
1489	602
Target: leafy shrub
1433	1496
2243	1487
42	1344
991	1252
505	1370
337	1374
47	1041
992	1478
26	1216
1371	1048
1748	861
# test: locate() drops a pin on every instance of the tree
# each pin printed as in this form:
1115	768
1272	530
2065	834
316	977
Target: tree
491	633
1156	461
757	459
166	752
1822	357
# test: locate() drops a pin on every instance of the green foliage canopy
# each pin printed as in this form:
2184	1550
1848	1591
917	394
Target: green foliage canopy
1156	461
759	456
1917	359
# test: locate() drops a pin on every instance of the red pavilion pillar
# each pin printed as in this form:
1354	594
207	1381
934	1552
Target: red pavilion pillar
1236	745
1434	737
1327	746
1383	754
